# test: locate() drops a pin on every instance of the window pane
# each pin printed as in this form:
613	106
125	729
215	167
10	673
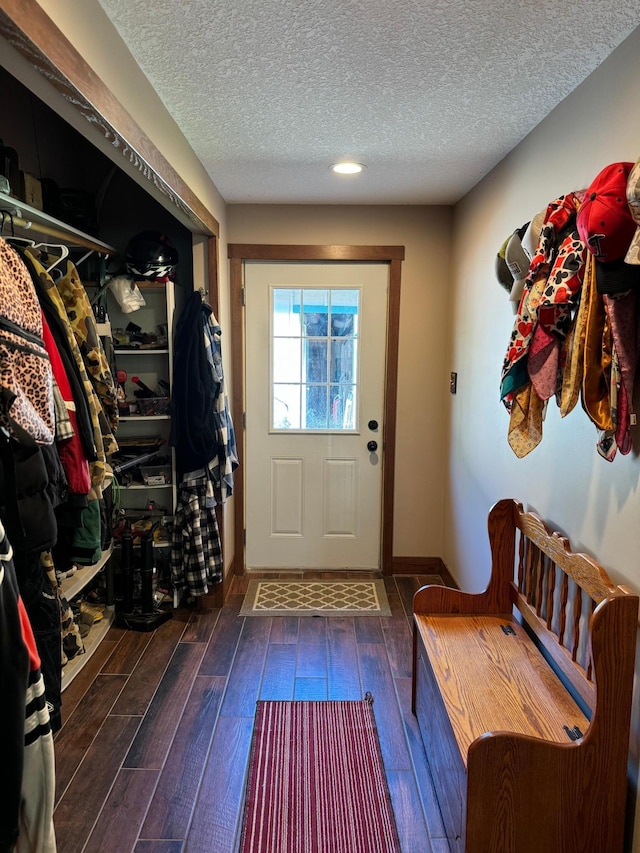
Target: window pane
315	360
286	311
286	360
343	360
343	406
344	312
286	407
316	406
315	313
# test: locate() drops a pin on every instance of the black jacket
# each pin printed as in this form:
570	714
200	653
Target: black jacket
193	428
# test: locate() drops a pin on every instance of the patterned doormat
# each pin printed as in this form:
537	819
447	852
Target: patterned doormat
316	598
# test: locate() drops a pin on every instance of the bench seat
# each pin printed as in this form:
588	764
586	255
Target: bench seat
493	681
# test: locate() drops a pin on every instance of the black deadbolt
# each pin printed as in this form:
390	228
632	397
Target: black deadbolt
373	424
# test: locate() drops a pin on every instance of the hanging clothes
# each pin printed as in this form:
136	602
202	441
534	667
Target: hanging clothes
83	323
193	427
225	461
27	783
26	389
203	436
196	550
103	437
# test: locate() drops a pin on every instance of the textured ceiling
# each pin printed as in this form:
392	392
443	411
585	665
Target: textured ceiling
429	94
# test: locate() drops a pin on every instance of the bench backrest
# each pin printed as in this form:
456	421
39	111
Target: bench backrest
562	596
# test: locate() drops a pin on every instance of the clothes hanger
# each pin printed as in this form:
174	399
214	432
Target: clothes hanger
23	241
6	214
64	252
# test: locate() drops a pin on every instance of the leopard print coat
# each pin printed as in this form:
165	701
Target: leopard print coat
26	380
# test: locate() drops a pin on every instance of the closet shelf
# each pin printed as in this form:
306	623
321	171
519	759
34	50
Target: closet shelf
145	417
29	219
142	487
70	587
91	642
140	351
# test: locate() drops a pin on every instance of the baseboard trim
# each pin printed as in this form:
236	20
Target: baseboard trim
423	566
418	566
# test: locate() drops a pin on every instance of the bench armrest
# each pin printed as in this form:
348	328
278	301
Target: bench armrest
496	598
536	777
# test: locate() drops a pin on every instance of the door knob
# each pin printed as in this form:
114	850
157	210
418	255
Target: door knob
372	446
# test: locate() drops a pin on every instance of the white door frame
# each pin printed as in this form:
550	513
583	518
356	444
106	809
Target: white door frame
393	255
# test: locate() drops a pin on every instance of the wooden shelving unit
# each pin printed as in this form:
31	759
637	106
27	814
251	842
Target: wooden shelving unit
91	643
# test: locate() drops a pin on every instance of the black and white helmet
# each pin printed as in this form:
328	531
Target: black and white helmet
151	256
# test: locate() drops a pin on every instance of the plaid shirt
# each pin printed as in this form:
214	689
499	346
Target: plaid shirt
196	550
225	462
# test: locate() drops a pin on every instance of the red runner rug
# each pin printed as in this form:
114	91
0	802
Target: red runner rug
316	781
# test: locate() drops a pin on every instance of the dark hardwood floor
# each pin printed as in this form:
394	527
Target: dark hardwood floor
153	750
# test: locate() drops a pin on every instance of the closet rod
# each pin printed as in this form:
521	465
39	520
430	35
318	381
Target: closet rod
30	219
60	234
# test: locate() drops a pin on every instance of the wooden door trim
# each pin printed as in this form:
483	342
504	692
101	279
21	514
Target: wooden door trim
393	255
27	28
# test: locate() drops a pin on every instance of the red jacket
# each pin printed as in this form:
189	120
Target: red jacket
70	450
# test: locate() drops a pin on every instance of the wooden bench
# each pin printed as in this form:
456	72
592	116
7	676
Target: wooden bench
523	696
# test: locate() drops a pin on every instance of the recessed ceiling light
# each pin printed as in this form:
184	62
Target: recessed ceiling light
347	168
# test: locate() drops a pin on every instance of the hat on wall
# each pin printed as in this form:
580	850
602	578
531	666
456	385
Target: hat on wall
531	236
502	270
633	199
606	227
518	263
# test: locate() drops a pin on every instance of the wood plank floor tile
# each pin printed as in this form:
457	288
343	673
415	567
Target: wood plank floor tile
419	761
76	736
279	672
202	621
158	728
116	829
395	604
399	644
407	809
170	812
407	586
144	680
343	672
440	845
84	798
377	679
369	630
284	629
156	846
310	689
221	649
312	647
217	815
243	687
75	692
127	653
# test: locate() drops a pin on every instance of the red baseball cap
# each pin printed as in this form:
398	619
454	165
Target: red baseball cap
604	220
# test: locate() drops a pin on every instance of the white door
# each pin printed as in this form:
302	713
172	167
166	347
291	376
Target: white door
315	367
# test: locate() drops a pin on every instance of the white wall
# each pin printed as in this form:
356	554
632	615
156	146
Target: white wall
596	503
422	376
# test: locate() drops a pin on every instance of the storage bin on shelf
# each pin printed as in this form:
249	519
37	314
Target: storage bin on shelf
153	405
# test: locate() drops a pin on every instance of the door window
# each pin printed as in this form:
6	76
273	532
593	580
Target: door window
314	359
